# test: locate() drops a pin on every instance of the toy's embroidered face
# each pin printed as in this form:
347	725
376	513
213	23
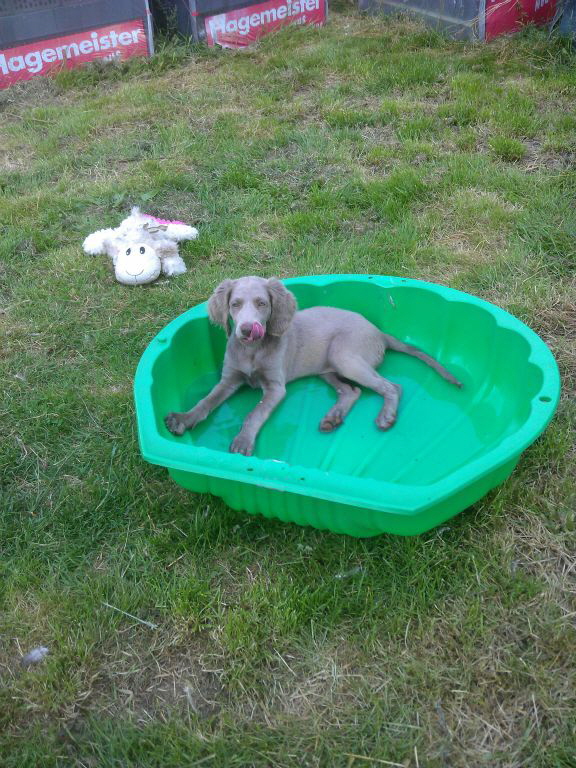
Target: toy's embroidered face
136	264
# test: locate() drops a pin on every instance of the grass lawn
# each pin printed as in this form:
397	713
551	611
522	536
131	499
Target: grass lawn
367	146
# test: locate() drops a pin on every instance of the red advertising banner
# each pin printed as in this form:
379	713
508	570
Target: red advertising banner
244	26
504	16
117	41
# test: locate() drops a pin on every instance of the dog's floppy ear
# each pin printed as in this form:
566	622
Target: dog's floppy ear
218	304
283	307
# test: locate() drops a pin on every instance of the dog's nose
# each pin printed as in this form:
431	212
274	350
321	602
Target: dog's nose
246	329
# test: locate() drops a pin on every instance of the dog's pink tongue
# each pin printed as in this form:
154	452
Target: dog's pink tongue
257	332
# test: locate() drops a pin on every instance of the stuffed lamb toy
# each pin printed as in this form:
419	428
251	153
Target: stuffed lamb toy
142	247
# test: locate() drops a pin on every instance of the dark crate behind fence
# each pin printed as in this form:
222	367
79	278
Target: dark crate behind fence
194	16
469	19
38	36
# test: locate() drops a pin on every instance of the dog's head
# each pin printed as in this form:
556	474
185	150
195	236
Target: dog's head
256	306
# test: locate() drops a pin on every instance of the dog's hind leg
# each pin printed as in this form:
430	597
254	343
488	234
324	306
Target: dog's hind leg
347	396
356	369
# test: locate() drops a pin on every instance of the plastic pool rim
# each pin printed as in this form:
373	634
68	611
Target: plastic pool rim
390	498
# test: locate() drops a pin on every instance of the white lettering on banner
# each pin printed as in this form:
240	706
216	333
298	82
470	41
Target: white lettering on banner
34	61
244	24
16	63
268	16
71	50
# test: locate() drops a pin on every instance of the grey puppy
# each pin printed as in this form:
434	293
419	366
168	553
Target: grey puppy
270	344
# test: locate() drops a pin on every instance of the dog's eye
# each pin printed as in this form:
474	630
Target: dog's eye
236	303
142	250
261	303
129	251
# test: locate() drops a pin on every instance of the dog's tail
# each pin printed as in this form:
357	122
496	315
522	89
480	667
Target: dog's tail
399	346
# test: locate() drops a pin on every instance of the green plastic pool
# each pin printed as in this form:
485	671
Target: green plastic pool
447	449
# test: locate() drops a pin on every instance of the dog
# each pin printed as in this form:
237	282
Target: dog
271	343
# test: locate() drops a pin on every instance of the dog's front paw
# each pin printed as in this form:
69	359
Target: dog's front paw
242	444
175	423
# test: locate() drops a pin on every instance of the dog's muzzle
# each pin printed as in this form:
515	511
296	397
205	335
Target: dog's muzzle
252	332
